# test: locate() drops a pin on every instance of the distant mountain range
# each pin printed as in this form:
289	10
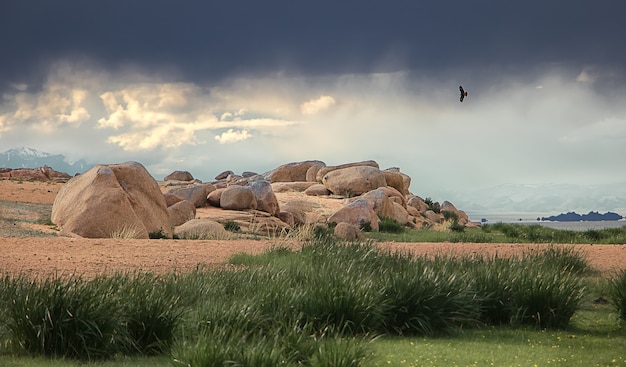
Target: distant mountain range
33	158
543	198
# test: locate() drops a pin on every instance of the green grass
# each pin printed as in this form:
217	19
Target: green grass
331	303
593	339
507	233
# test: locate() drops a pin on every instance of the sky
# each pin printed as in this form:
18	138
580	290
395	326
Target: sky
209	86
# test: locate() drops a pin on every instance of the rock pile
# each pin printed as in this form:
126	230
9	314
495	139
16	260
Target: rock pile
353	196
310	192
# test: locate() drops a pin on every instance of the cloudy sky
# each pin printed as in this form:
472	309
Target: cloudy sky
208	86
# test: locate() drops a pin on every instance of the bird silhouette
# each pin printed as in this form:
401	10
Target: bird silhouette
463	93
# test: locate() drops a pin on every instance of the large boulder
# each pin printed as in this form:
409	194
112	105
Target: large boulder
298	209
214	197
181	212
195	194
238	198
379	202
111	199
399	214
395	179
202	229
418	203
358	213
179	176
324	170
311	173
265	199
394	195
433	217
296	171
317	190
171	199
354	181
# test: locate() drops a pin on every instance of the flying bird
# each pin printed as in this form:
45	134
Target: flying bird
463	93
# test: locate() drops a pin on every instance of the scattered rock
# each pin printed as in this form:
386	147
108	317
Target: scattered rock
238	198
347	231
202	229
265	199
317	190
418	203
298	186
181	212
171	199
324	170
224	175
287	217
432	216
353	181
195	194
214	197
358	213
290	172
179	176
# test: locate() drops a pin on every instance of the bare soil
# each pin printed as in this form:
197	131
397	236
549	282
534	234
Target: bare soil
89	257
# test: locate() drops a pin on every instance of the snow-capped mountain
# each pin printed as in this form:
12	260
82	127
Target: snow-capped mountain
32	158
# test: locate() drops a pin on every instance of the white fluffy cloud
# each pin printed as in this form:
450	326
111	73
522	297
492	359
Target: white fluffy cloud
317	105
232	136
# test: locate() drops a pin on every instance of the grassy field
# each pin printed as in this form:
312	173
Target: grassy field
330	304
15	218
506	233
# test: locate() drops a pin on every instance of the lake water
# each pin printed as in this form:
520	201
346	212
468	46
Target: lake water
531	218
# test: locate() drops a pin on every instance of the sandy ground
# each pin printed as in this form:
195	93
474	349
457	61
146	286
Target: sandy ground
88	257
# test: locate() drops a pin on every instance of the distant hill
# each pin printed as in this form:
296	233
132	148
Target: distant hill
33	158
575	217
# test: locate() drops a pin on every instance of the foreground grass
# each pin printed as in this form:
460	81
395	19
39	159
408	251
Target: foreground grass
330	304
594	339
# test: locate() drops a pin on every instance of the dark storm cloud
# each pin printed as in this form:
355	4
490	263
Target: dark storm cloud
206	40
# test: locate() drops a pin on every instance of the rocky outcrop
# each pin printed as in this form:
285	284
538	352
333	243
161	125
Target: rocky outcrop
44	173
309	192
109	200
